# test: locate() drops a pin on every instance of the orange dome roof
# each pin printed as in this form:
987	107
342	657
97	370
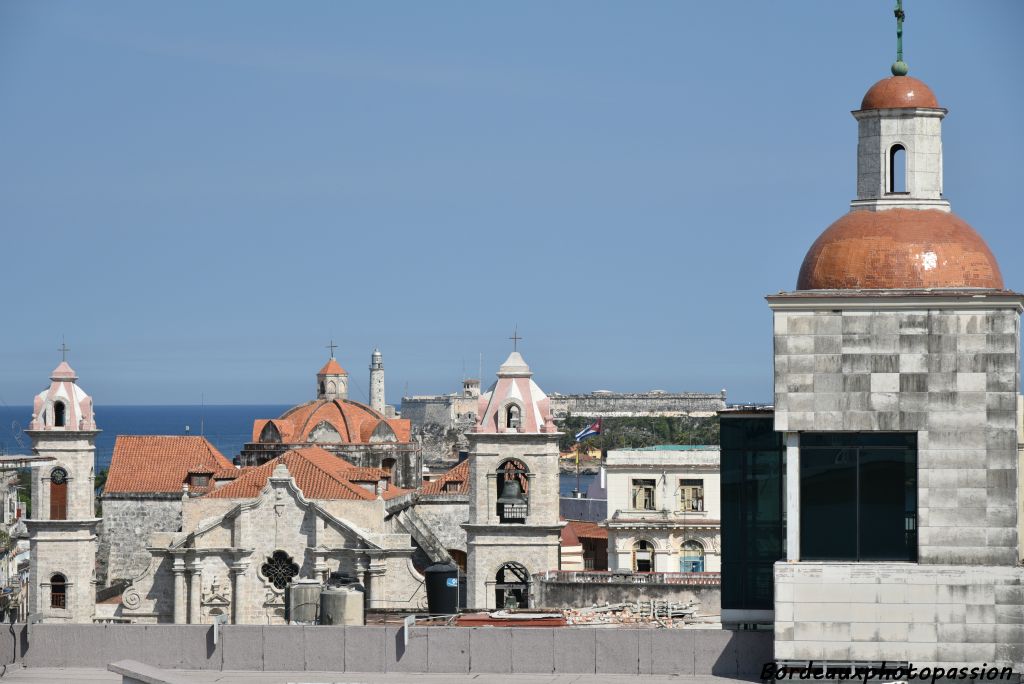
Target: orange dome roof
897	92
899	249
353	423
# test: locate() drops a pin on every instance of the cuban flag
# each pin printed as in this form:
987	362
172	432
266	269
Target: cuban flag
589	431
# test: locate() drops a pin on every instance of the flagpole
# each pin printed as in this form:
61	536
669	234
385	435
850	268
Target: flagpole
578	445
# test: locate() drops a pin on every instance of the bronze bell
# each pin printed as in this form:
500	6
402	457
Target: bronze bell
512	494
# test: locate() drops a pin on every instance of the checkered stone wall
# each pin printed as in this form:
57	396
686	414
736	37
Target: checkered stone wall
947	368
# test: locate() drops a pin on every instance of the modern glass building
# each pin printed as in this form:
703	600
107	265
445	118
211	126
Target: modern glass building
753	514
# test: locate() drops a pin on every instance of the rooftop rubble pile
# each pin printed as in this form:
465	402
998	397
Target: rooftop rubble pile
653	613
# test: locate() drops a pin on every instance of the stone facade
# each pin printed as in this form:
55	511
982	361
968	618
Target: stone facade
128	524
219	564
944	367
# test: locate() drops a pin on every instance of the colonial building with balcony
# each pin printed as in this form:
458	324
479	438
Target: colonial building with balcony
664	510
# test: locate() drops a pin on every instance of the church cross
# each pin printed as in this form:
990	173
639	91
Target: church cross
515	339
63	350
332	347
899	30
899	67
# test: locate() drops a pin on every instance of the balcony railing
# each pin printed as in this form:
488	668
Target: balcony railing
613	577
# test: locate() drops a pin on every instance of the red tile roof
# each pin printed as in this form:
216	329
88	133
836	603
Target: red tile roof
575	530
332	367
459	475
154	464
318	473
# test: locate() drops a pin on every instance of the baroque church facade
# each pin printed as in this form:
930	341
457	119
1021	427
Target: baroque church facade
187	536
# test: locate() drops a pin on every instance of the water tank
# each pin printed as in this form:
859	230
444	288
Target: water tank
442	581
302	599
342	605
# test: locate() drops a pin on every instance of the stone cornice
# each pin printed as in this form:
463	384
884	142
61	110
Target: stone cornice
895	300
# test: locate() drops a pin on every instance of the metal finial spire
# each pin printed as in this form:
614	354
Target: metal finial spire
515	338
63	349
332	347
899	67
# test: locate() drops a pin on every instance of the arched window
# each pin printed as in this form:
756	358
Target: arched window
388	464
270	434
897	169
322	393
58	591
59	413
58	494
280	569
513	417
331	387
643	556
512	586
691	557
513	492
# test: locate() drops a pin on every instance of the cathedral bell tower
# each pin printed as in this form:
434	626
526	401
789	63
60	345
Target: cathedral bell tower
513	529
62	527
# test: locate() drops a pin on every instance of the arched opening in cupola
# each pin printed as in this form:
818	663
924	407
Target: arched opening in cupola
897	169
59	414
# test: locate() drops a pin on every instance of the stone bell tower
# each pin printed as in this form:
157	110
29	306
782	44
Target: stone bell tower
513	527
62	527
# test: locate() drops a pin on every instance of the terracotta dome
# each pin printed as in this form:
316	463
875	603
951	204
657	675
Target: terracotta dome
897	92
338	421
899	249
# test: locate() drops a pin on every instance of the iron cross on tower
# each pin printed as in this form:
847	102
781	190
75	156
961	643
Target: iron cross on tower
63	350
515	338
332	347
899	67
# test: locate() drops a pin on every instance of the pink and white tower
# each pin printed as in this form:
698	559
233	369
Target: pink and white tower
62	526
513	529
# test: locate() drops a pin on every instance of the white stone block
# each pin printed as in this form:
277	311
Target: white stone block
970	382
885	382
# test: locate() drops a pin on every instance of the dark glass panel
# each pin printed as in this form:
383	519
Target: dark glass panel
883	485
828	504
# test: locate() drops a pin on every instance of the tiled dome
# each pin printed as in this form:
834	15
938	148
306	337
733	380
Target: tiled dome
898	92
899	249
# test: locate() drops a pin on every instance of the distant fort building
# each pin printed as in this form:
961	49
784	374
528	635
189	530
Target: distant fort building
440	421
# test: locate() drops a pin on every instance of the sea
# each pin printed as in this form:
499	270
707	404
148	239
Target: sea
228	427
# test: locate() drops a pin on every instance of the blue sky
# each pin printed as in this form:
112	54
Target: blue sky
200	195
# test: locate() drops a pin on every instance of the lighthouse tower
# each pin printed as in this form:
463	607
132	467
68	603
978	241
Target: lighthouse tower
377	382
62	527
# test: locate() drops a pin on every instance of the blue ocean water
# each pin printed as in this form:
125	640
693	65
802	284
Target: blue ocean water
227	427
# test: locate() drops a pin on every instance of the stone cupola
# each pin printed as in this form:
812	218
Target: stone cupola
332	381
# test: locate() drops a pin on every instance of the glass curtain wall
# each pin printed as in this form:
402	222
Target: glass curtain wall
753	510
858	496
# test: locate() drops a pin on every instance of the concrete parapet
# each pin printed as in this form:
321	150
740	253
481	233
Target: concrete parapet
457	650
